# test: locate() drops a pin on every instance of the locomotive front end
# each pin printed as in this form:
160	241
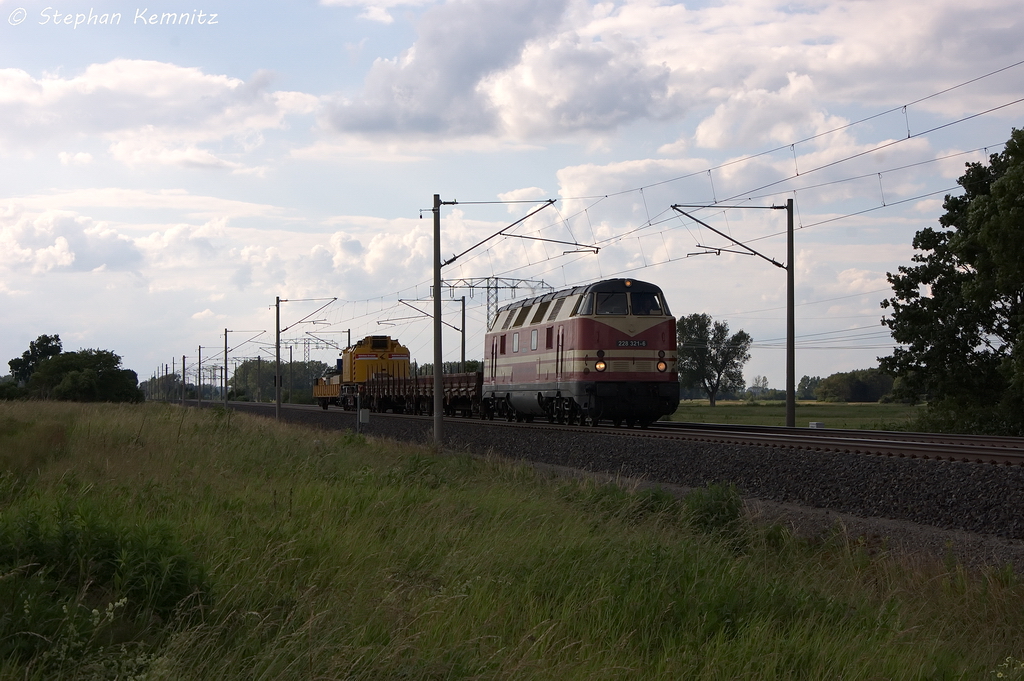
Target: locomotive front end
605	351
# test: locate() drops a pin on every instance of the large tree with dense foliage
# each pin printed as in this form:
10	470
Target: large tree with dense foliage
709	358
85	376
40	349
958	313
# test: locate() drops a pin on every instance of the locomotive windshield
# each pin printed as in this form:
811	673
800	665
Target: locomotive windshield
610	303
646	304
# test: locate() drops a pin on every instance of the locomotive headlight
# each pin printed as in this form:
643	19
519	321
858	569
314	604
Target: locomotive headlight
600	366
662	365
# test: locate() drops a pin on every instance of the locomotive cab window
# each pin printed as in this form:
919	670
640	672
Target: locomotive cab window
610	303
644	304
584	305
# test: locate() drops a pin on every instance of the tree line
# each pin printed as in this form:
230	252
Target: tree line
251	381
45	371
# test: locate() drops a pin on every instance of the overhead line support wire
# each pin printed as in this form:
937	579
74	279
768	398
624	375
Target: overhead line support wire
821	134
678	208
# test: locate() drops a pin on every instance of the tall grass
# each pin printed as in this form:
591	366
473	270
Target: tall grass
295	554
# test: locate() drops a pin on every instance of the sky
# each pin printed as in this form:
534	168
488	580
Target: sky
168	170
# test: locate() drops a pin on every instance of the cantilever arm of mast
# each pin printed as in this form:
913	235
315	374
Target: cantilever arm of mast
722	234
501	232
329	301
424	314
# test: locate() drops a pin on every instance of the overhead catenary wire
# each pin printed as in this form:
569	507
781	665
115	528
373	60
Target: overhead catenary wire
565	220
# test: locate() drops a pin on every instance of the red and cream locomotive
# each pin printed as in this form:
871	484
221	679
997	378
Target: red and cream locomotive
604	351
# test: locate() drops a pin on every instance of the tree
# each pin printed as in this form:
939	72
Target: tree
958	313
254	379
40	349
864	385
758	387
805	389
85	376
709	358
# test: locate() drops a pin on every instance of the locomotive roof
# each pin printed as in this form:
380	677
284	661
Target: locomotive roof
604	286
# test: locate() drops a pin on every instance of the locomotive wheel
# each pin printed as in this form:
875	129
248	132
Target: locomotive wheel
630	423
617	423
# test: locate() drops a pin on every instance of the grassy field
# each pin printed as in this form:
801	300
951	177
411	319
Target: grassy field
149	542
869	415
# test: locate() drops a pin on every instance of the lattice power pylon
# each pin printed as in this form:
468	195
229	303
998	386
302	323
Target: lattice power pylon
493	285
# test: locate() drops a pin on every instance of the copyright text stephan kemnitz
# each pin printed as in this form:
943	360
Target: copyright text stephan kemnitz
142	16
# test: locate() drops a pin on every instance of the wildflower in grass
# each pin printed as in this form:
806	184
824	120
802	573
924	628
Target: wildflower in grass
1010	668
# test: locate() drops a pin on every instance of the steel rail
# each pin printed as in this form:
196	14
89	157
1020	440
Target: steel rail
925	446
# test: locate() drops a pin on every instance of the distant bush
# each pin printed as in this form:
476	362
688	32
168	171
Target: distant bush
864	385
11	391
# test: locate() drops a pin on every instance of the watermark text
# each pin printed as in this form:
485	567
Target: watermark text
51	16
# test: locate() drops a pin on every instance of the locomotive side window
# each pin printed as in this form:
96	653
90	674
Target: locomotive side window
585	305
558	308
515	342
549	340
502	344
541	309
533	339
611	303
646	304
522	317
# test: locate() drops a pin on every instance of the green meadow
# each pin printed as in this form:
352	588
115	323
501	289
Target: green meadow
152	542
869	415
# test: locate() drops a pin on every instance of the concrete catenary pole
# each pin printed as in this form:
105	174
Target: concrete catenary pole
225	368
438	394
277	369
199	379
790	321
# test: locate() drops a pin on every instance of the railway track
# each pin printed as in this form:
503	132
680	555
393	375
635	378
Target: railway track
974	449
928	446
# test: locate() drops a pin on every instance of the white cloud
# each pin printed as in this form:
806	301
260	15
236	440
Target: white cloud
377	10
570	84
79	159
208	314
150	113
192	206
60	240
432	87
516	70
